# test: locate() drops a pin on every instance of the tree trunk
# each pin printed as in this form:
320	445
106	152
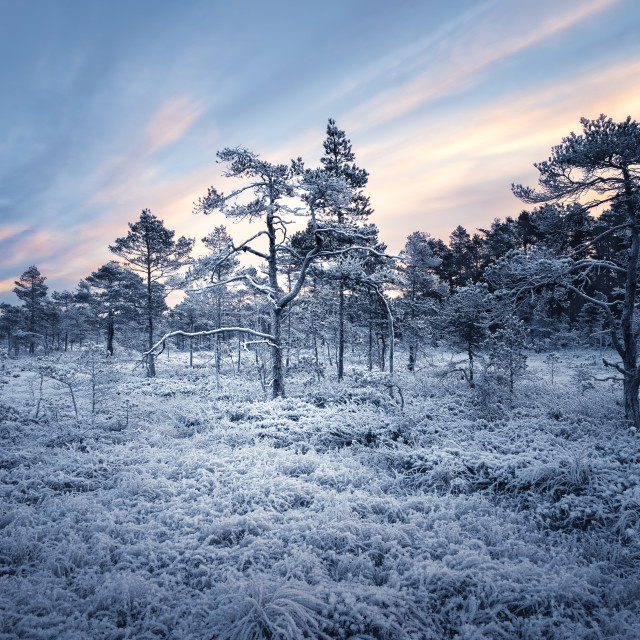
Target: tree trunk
288	362
629	336
341	334
412	358
277	371
218	325
631	404
151	365
370	354
110	332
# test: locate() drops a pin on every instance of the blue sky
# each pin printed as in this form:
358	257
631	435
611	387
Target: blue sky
110	107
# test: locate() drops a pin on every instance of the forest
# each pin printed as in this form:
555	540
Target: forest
323	439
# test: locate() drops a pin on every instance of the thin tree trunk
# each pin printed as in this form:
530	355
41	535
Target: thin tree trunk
412	358
276	354
629	337
110	332
383	351
341	334
151	366
191	347
277	372
315	347
370	354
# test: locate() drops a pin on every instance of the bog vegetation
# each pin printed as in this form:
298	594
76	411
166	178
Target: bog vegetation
337	442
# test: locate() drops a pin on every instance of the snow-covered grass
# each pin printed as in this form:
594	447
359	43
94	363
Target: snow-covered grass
181	510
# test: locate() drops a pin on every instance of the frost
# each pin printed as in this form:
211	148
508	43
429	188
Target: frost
180	511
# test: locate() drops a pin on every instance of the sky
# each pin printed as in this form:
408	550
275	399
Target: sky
110	107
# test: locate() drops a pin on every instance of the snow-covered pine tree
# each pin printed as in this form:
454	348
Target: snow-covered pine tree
466	318
421	288
339	161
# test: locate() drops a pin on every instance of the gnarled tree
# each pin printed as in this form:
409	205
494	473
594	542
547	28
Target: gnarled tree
274	194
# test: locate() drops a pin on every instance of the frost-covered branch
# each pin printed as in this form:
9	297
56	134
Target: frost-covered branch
210	332
586	245
374	252
264	289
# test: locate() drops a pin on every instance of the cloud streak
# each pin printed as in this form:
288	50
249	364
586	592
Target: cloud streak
431	177
456	64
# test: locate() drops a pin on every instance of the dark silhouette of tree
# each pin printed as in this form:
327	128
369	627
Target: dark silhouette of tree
11	324
149	249
117	293
32	291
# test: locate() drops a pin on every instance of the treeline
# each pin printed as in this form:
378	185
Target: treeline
563	271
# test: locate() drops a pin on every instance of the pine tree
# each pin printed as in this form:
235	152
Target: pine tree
338	161
11	324
421	288
116	291
30	288
272	187
505	349
218	267
461	262
466	318
600	166
149	249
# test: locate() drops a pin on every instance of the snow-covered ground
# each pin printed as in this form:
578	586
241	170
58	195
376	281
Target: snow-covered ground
180	509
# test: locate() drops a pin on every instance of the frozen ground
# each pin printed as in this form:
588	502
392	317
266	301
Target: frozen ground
177	509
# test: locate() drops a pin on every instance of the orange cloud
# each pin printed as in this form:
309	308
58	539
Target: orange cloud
431	177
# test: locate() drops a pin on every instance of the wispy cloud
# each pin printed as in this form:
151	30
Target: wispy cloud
458	63
171	122
135	168
431	175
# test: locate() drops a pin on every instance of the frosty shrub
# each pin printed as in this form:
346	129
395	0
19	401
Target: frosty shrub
259	608
505	352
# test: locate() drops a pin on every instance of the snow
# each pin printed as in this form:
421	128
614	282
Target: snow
184	511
